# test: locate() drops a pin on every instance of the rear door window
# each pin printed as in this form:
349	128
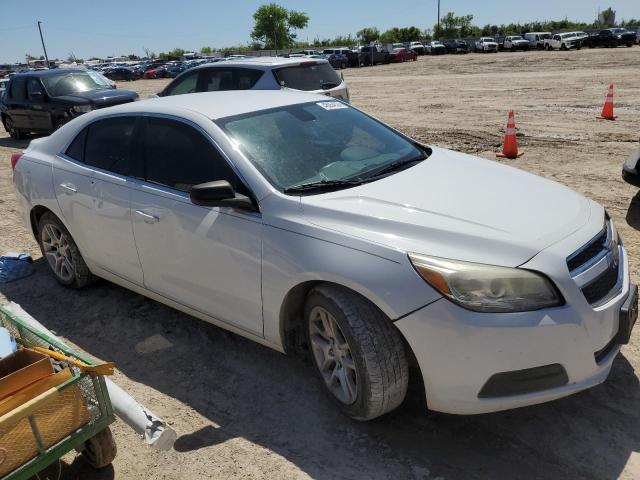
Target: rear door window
18	90
308	76
76	149
109	143
186	84
222	79
178	156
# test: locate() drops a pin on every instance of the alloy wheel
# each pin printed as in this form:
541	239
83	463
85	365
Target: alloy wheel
332	355
57	251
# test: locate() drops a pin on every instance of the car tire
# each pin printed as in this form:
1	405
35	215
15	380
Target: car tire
12	130
100	450
61	253
357	352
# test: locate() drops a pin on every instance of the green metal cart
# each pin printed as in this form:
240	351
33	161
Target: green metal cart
78	410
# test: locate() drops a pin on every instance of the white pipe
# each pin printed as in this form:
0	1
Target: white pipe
155	431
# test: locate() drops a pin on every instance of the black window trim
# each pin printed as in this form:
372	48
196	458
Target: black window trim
137	146
210	140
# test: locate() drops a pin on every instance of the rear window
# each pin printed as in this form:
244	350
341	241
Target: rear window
308	77
109	143
76	149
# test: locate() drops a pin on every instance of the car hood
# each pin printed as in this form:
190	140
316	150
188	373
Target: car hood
102	98
454	205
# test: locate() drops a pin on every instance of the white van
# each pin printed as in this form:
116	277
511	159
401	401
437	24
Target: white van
536	39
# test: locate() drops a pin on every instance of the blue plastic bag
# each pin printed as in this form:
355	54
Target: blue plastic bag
14	266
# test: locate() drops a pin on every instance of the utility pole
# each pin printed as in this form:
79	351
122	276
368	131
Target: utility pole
46	57
438	17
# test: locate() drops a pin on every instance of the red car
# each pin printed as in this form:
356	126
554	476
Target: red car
151	73
398	55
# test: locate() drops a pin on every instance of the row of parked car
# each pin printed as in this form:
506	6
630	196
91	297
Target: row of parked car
41	101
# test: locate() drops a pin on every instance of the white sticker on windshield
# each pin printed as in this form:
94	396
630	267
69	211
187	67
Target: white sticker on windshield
331	105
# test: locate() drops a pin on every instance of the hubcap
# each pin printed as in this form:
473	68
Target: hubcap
57	250
332	355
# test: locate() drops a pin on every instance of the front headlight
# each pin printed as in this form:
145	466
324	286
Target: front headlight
487	288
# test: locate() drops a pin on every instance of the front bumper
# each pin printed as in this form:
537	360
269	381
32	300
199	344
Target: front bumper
458	350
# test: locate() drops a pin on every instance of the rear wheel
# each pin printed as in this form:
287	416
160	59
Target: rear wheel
11	128
62	253
357	352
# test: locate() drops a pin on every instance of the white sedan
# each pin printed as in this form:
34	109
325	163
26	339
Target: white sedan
304	224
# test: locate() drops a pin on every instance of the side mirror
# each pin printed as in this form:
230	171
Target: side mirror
219	193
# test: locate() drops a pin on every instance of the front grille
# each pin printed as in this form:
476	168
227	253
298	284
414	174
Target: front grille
587	262
601	286
589	251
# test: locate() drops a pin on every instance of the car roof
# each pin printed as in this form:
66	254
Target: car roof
51	72
215	105
261	63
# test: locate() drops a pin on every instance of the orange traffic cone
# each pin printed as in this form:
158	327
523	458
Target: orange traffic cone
510	149
607	109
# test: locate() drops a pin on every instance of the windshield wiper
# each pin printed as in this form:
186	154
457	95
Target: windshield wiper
322	185
393	166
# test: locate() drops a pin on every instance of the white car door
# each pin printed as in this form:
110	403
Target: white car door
93	189
208	259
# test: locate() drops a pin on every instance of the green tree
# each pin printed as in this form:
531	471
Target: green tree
133	56
206	50
368	35
452	26
274	26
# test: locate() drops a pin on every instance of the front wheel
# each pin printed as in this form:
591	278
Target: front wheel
62	253
357	352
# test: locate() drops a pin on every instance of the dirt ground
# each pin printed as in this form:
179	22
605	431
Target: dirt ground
244	411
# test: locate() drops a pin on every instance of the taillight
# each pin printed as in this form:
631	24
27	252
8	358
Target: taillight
14	159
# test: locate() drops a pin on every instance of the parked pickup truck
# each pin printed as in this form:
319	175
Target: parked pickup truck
418	47
486	44
563	41
436	48
372	55
610	37
516	42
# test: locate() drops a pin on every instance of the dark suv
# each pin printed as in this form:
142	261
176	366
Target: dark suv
42	101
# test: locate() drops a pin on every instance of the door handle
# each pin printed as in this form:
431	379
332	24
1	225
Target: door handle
148	218
69	187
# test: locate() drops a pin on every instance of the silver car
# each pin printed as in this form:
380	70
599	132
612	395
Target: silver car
306	225
262	73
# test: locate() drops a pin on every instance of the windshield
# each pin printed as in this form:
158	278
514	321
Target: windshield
308	76
76	82
516	38
323	141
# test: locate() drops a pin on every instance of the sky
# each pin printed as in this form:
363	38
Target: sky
117	27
